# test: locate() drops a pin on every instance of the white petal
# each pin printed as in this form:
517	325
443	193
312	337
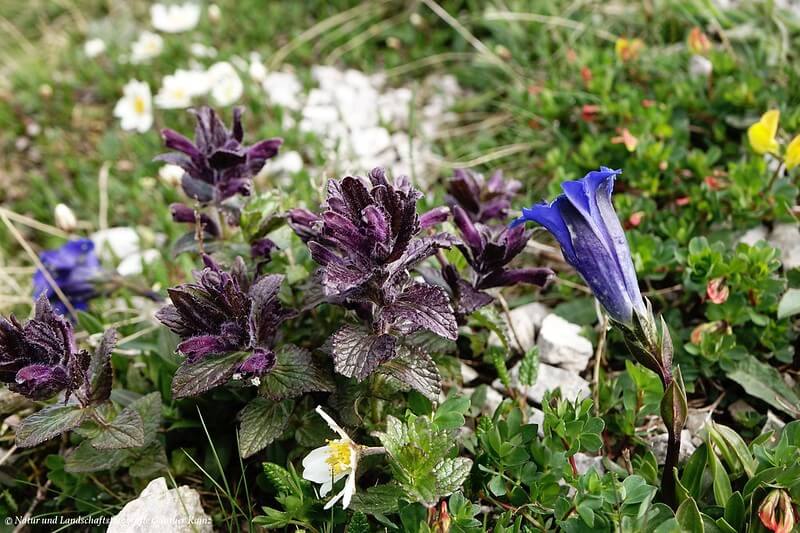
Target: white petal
315	466
331	423
335	499
349	489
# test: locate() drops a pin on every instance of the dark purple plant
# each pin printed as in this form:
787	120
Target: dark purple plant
226	323
41	359
482	200
217	165
366	241
584	223
75	268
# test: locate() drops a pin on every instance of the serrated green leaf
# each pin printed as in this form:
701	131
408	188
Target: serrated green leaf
125	431
86	458
450	474
380	499
100	371
51	421
195	378
280	478
359	523
148	461
262	421
529	368
294	374
414	368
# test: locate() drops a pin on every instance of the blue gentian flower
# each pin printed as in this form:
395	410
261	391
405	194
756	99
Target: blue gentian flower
584	223
74	267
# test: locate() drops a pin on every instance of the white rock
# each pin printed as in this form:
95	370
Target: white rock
753	235
658	444
524	319
468	374
773	423
550	378
116	243
585	462
696	420
492	399
561	343
786	237
160	509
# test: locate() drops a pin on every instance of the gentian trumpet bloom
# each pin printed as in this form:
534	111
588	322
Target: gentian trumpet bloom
74	267
217	165
584	223
40	359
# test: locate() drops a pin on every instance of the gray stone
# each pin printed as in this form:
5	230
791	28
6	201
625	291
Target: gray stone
786	237
585	462
658	444
753	235
561	343
773	423
468	374
524	319
550	378
491	401
696	420
164	510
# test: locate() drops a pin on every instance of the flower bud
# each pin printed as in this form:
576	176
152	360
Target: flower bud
698	42
65	218
214	13
776	512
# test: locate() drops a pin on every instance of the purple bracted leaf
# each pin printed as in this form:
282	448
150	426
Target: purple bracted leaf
358	352
422	306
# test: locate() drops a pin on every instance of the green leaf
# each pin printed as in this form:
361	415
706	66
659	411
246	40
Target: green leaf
489	318
51	421
125	431
692	478
148	461
450	415
789	304
766	383
674	409
195	378
90	323
280	478
415	369
357	351
100	371
149	407
721	481
359	523
262	422
259	216
735	511
529	368
450	474
380	499
688	517
294	374
87	458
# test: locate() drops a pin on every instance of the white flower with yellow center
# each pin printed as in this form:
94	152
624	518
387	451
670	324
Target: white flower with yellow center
135	108
226	86
328	464
174	18
94	47
146	47
178	89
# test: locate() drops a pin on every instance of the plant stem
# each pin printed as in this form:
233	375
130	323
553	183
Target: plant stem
668	478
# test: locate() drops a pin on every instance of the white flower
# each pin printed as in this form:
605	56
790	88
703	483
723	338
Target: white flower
135	108
133	264
289	162
146	47
257	70
214	13
171	175
116	243
178	89
330	463
700	67
94	47
174	18
201	50
226	86
65	218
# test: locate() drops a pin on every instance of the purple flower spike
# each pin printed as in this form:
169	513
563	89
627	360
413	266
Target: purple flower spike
74	267
482	200
224	312
40	359
217	164
585	224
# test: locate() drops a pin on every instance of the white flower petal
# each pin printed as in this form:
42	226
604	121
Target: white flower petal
332	423
349	489
315	466
335	499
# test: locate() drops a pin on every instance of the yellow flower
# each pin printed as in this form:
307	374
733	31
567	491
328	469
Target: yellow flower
698	42
628	49
762	133
793	153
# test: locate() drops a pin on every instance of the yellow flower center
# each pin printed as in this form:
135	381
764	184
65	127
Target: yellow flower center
138	105
339	456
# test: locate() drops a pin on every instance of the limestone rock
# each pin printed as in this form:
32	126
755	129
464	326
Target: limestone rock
753	235
524	319
561	343
164	510
550	377
786	237
585	462
658	444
